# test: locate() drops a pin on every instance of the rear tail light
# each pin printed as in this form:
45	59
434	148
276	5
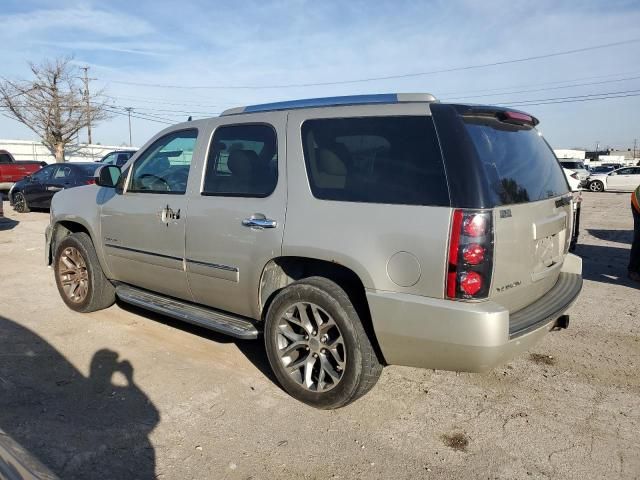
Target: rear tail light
90	181
470	256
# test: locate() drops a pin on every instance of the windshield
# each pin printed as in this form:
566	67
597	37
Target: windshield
520	164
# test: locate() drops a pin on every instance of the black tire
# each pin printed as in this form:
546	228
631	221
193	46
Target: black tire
361	369
100	292
20	204
596	186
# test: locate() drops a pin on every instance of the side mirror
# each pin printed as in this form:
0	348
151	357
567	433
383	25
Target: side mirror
108	176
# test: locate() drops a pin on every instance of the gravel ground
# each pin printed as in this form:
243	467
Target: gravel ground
123	393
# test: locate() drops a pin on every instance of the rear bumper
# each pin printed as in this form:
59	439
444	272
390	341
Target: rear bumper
472	337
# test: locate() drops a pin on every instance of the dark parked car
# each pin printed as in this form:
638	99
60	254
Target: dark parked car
117	157
36	190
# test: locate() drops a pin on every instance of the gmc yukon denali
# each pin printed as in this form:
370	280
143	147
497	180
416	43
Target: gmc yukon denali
348	233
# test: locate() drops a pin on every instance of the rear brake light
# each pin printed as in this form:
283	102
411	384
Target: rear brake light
475	225
470	282
473	254
470	255
90	181
517	117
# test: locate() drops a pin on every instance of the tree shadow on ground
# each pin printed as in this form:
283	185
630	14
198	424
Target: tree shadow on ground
618	236
252	349
7	224
79	427
605	264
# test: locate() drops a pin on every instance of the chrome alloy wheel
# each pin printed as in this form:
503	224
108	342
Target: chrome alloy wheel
311	347
72	272
19	203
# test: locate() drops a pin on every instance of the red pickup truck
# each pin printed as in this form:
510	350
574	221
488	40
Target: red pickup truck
11	170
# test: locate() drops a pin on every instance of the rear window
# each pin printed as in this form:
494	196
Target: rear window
572	165
520	165
392	160
89	170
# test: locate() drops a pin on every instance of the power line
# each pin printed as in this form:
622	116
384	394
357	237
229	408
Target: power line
388	77
543	89
118	112
576	98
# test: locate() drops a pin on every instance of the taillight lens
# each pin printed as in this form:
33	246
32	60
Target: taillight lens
470	255
470	282
475	225
473	254
90	181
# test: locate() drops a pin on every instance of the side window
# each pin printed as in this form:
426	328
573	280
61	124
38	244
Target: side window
44	174
5	158
122	159
62	173
393	160
625	171
242	161
164	166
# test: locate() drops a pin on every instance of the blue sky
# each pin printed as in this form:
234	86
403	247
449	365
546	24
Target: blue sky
207	43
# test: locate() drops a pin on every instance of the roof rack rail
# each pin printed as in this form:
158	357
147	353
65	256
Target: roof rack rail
333	101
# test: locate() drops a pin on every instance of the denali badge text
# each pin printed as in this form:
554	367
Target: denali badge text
507	287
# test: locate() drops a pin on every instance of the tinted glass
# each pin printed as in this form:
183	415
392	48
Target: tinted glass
520	165
110	159
164	166
62	173
5	158
88	170
572	165
243	161
393	160
44	173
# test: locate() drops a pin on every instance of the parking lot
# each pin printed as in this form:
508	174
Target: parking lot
124	393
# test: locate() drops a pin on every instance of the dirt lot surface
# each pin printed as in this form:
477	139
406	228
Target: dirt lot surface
123	394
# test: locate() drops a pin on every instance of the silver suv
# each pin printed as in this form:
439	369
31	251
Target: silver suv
349	232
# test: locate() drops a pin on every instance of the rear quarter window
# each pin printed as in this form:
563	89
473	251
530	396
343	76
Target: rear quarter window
390	160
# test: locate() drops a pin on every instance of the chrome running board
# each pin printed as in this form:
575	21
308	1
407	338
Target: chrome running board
226	323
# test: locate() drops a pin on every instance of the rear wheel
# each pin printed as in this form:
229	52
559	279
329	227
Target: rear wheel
79	277
596	186
20	204
317	346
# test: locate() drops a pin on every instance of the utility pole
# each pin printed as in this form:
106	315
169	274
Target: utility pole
86	99
129	109
635	146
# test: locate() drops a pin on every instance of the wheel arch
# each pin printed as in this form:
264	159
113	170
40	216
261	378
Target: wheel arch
280	272
62	229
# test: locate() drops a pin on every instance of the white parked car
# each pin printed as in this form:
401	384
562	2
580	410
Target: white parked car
577	166
625	179
573	179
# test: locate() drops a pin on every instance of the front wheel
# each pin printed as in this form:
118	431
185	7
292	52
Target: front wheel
317	346
79	277
596	186
20	204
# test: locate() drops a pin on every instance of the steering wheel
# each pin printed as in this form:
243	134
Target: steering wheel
156	179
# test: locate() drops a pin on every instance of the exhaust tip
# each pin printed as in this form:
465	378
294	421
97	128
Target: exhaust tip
561	323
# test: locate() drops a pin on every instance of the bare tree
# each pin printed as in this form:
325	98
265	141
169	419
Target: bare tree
53	105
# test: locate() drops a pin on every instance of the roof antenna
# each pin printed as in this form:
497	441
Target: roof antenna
189	119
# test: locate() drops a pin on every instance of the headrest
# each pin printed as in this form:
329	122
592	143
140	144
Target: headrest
330	163
241	162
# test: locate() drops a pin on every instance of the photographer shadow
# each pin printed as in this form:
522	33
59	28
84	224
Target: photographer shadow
79	427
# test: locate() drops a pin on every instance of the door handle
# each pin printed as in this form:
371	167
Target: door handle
54	189
260	221
167	214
